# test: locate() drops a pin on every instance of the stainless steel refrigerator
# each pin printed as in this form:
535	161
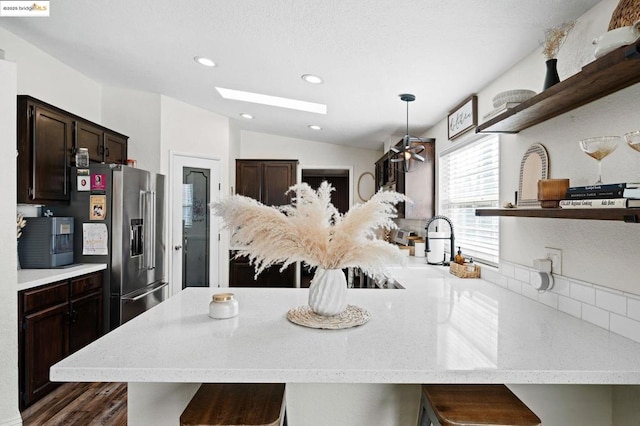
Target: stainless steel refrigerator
125	206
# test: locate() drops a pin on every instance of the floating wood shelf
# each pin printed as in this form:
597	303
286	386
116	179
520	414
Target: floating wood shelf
624	215
610	73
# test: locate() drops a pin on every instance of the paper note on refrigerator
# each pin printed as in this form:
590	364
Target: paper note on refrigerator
95	239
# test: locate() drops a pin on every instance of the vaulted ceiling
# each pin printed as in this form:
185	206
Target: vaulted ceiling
367	53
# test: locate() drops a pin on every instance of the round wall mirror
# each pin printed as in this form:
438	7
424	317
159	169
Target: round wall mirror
366	186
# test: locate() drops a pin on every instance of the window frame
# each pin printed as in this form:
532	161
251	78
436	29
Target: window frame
489	224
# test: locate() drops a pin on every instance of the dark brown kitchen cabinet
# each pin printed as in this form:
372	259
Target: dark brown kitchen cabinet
45	145
48	138
55	320
115	148
241	274
104	145
266	180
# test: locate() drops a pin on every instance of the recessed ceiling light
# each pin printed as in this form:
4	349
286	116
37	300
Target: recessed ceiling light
313	79
314	127
204	61
247	116
258	98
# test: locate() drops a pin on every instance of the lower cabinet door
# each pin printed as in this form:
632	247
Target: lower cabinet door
46	341
85	321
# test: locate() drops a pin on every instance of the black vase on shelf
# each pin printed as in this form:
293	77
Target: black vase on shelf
551	77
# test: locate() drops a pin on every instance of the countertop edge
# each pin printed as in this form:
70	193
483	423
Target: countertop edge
30	278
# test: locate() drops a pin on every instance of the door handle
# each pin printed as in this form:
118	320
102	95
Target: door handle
177	248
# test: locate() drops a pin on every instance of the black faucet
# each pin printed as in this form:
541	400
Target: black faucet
450	238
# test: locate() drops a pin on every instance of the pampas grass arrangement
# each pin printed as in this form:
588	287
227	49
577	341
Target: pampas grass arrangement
311	230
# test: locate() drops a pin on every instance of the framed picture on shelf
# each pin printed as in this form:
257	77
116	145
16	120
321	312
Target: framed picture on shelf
463	117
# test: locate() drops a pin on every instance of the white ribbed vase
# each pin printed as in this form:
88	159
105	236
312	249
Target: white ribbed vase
328	292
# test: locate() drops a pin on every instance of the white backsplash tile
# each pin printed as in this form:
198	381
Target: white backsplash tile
514	285
508	270
570	306
583	293
611	302
529	291
522	274
561	286
549	299
633	308
625	326
616	311
594	315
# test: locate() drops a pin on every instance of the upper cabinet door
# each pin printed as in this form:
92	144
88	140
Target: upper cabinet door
47	148
115	148
249	179
266	180
278	177
90	137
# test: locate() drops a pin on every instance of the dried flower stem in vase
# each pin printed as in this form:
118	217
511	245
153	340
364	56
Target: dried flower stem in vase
554	38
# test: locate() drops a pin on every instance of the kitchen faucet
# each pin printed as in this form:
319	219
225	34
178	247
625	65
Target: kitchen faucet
450	238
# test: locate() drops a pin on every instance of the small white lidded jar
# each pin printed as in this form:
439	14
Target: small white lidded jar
223	305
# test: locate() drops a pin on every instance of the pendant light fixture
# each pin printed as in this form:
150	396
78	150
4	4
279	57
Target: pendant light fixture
412	146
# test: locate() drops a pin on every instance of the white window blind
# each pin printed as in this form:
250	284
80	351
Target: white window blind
469	179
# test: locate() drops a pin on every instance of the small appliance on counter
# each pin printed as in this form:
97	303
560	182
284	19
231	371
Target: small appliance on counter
46	242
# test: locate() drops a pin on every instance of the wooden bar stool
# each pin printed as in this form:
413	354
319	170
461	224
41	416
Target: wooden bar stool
234	404
466	405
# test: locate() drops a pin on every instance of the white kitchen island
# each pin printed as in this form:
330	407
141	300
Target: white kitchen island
439	329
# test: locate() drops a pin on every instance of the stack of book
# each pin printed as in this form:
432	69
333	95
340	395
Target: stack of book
612	195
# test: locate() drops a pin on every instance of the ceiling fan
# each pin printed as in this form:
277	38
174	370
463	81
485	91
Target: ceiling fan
412	146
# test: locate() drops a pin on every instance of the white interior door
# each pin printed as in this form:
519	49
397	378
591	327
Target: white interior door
195	182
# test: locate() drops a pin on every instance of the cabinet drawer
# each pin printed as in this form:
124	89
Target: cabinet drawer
43	297
85	284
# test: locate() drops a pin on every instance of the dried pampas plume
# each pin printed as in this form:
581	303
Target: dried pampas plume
21	222
554	37
312	231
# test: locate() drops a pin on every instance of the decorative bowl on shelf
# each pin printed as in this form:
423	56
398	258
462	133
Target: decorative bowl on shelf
520	95
613	39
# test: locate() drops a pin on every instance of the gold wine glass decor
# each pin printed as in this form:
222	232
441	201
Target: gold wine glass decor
598	148
633	140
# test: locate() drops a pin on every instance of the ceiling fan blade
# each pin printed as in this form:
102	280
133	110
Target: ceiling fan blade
394	149
417	149
418	157
397	160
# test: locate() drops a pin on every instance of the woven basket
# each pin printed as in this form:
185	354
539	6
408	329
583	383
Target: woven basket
625	14
468	270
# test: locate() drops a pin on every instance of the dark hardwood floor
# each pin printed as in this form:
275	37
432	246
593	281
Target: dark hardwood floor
80	404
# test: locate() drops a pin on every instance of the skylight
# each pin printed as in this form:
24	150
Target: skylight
258	98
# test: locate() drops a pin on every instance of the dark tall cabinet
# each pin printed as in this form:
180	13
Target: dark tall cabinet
266	181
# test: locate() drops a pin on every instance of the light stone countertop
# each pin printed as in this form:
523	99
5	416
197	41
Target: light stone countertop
30	278
439	329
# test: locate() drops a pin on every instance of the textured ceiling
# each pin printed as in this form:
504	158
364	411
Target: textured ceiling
367	52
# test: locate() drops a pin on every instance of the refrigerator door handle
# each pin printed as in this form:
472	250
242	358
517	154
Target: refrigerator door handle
143	295
148	213
153	230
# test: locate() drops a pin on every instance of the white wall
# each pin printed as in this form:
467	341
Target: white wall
51	81
311	154
187	129
598	252
137	115
9	414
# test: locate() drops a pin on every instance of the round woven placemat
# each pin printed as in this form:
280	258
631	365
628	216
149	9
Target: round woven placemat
351	317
